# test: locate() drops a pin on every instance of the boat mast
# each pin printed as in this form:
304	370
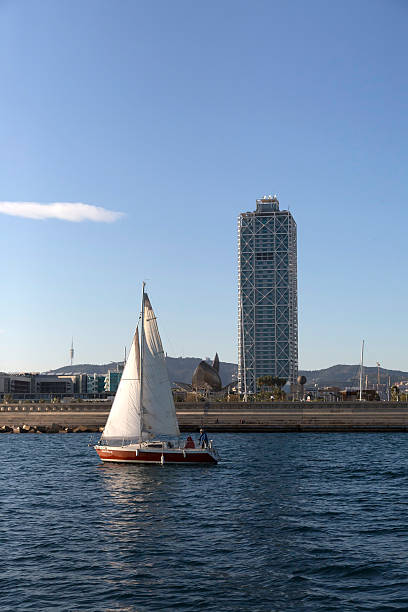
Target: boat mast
141	362
361	371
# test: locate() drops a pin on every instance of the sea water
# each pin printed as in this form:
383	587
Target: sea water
284	522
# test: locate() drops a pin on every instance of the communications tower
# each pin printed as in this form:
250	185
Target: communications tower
71	351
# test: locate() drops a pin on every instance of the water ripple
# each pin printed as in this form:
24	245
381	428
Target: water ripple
286	522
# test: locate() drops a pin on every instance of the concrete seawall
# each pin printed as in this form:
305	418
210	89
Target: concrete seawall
227	417
297	417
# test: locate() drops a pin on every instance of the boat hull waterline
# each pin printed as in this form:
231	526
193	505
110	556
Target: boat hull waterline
123	454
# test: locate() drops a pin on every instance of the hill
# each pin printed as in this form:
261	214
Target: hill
349	376
181	369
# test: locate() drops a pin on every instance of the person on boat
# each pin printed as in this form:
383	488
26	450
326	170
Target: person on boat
203	439
189	442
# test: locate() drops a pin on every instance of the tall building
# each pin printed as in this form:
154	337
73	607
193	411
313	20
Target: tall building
267	295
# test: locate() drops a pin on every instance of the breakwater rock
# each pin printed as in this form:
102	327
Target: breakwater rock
49	429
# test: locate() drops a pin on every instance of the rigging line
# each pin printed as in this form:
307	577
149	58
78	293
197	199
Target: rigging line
167	337
155	353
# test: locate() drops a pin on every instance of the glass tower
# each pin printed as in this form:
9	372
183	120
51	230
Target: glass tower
267	295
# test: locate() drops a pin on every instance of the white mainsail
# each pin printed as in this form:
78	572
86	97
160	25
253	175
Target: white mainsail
158	412
124	419
143	413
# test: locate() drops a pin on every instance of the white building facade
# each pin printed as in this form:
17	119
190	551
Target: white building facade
267	295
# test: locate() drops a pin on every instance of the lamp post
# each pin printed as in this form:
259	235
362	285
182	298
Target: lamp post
301	382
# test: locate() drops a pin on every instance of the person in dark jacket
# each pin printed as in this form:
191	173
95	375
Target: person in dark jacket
203	439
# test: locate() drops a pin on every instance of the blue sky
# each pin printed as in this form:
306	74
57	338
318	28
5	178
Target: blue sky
179	115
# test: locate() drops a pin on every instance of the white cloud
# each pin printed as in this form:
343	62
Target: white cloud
66	211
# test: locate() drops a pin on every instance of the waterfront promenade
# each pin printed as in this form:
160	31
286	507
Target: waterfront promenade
222	417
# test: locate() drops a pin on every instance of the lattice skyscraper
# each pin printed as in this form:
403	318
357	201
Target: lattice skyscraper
267	295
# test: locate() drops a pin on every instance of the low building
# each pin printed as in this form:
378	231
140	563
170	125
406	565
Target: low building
179	396
82	384
112	380
95	384
35	386
11	384
74	378
352	395
402	386
48	384
327	394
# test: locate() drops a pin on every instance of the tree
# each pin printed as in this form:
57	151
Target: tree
273	384
395	393
271	381
279	382
265	381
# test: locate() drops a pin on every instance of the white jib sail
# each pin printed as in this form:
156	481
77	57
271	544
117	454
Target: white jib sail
124	420
159	413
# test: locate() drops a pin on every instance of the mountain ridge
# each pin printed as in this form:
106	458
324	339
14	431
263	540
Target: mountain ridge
181	369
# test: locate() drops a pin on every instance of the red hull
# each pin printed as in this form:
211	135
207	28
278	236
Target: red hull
144	456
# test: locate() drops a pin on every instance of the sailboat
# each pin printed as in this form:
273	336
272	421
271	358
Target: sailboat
142	425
